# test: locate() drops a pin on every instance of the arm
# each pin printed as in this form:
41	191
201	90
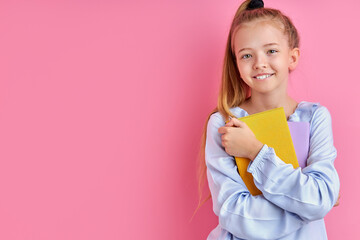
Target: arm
312	192
240	213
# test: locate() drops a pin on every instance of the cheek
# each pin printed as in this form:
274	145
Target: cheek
281	64
242	72
244	67
239	67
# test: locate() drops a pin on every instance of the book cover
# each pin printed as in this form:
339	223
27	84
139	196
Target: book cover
271	128
300	135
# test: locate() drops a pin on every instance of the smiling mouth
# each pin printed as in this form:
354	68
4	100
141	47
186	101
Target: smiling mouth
263	76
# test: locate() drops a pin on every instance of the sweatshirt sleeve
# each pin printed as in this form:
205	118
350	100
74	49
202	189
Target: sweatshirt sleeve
243	215
310	192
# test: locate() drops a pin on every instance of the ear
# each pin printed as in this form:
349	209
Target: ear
294	58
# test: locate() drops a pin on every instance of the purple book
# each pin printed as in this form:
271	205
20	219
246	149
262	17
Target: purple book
300	134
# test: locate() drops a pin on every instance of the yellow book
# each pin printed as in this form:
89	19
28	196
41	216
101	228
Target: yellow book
271	128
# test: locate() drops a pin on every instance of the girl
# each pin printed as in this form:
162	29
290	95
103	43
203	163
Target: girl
262	48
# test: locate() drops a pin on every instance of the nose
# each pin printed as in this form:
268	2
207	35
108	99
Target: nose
260	62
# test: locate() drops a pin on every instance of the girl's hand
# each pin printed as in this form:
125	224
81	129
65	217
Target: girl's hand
238	140
337	202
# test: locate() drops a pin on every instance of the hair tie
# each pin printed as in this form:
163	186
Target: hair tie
254	4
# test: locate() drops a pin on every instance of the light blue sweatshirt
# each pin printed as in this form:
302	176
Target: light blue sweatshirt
294	201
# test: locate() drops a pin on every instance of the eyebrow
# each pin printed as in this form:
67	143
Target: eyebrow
266	45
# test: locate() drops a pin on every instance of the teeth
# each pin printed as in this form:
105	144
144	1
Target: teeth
263	76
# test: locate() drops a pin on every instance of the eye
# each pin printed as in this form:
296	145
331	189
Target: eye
271	51
246	56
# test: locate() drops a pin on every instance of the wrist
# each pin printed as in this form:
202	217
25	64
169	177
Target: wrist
255	149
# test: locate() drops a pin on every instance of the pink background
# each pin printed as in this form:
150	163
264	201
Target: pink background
102	105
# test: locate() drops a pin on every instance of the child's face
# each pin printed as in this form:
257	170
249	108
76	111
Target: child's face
263	56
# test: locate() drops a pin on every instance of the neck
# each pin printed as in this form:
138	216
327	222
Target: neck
263	102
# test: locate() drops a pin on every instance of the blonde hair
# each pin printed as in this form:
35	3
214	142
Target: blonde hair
233	90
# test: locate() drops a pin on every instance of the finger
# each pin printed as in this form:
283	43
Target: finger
223	130
337	202
230	123
236	122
